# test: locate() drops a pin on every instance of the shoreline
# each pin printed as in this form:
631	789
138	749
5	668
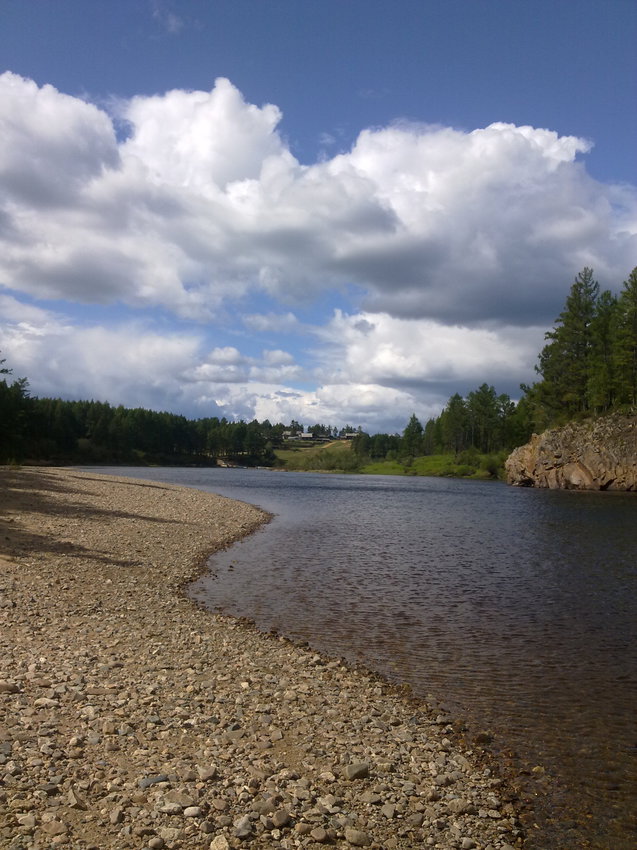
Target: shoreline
132	717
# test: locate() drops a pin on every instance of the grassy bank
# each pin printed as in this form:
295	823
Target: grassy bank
336	456
443	465
339	457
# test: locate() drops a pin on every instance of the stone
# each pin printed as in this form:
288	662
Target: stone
303	828
220	842
356	837
147	781
280	818
207	773
8	687
356	770
192	812
75	801
460	807
171	808
319	835
54	827
243	827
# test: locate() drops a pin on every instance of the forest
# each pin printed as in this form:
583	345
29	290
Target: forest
588	367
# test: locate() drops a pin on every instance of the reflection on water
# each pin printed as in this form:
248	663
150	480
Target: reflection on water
515	608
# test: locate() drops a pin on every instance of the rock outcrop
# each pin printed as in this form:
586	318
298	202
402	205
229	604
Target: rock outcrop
599	455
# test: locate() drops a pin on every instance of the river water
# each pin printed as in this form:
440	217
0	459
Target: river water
514	608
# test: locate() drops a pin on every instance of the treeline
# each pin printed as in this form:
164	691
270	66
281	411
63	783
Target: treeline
589	365
483	423
54	430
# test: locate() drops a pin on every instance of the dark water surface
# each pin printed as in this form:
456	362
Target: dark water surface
515	608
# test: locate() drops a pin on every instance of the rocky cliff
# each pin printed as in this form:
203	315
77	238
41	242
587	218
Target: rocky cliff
599	455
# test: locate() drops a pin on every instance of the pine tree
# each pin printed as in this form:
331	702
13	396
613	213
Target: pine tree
14	402
482	406
411	444
601	377
453	424
565	361
625	348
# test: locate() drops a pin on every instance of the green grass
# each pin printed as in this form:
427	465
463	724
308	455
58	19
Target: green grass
383	467
443	465
337	456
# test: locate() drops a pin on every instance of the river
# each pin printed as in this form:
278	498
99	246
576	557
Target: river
516	609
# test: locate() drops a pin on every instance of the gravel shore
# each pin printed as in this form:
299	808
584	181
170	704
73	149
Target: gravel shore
130	718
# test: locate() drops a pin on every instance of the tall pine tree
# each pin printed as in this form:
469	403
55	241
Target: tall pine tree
601	365
625	348
564	362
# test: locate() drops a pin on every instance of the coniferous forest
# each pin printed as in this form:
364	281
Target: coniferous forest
587	368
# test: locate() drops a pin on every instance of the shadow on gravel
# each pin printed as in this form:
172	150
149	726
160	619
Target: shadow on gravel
34	492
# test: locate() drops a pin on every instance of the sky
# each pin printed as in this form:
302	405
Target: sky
339	212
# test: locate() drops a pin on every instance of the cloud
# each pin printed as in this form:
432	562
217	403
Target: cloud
203	203
166	18
452	250
273	323
140	365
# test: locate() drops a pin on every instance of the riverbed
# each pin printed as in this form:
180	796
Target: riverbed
514	608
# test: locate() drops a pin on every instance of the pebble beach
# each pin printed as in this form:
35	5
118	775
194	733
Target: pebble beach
131	718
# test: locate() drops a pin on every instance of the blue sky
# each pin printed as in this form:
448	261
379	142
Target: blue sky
337	212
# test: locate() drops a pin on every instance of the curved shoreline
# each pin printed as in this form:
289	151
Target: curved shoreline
131	717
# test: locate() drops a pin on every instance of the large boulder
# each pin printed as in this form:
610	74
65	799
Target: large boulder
599	455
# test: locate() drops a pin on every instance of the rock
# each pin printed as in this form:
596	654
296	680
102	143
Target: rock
357	770
147	781
179	798
171	835
8	687
303	828
54	827
356	837
598	455
484	738
192	812
319	835
243	827
460	807
280	818
75	801
219	843
171	809
207	773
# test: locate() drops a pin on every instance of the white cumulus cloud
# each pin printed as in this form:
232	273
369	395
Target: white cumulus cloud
204	202
454	250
